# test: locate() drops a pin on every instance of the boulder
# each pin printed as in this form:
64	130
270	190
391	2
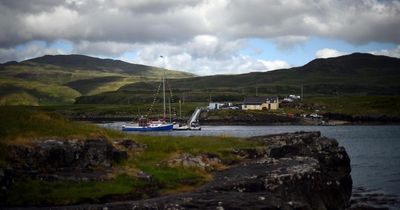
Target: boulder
205	161
58	158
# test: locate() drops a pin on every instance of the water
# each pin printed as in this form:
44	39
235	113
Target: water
374	150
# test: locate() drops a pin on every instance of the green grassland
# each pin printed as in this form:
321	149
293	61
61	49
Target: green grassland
61	79
15	91
22	125
352	105
356	74
359	105
116	110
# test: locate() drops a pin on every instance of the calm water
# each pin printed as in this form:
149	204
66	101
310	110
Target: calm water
374	150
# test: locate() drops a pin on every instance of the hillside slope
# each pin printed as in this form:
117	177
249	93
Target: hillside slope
354	69
83	62
357	74
66	77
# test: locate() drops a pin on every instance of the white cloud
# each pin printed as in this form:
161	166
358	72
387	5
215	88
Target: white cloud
203	36
31	50
328	53
275	64
392	52
203	55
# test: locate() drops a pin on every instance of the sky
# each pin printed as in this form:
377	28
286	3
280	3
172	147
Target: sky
204	37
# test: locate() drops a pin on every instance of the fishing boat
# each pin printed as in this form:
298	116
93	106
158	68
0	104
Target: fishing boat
145	124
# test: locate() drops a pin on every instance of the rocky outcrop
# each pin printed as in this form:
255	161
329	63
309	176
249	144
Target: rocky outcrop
205	161
57	159
293	171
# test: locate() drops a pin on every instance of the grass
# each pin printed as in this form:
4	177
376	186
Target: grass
136	109
350	105
360	105
38	92
36	192
21	98
53	84
22	125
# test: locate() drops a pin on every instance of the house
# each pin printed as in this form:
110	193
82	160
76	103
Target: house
221	105
215	105
261	103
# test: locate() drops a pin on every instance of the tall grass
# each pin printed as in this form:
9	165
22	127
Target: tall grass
21	123
35	192
359	105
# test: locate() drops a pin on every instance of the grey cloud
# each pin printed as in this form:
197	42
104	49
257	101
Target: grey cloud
157	7
178	21
111	49
30	6
205	32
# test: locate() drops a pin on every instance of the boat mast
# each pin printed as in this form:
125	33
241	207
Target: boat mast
170	111
163	81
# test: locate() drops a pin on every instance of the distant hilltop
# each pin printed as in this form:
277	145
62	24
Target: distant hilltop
83	79
55	79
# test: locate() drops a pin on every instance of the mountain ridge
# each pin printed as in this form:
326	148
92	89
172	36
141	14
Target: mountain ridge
77	74
354	74
78	61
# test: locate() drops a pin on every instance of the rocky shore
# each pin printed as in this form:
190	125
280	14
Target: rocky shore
53	159
292	171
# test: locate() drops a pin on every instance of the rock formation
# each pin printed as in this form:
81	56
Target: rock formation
293	171
206	161
60	159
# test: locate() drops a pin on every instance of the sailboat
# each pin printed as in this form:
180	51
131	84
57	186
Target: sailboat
146	125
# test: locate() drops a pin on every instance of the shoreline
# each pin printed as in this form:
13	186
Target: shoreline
295	164
102	119
301	170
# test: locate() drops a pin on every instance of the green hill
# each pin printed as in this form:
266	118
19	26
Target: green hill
59	79
355	74
83	62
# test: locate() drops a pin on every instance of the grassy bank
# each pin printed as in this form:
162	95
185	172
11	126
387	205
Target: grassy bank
23	125
359	105
136	109
349	105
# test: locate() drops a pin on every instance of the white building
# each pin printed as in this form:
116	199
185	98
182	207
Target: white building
215	105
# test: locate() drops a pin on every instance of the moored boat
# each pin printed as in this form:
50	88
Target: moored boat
146	125
150	127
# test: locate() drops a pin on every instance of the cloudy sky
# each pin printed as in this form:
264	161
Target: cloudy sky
200	36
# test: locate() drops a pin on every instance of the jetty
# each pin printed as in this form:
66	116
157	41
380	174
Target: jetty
192	123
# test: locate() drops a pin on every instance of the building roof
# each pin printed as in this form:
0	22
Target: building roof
258	100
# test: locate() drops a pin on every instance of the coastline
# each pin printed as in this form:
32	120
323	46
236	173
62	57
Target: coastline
292	170
301	121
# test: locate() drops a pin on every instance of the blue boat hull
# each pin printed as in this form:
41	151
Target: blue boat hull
166	127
